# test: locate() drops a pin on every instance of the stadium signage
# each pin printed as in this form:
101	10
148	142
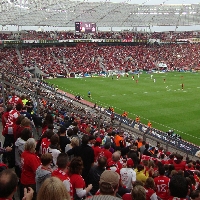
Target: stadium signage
83	40
12	41
112	40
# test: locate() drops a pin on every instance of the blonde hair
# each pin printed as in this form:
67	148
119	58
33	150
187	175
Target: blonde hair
30	145
53	188
75	141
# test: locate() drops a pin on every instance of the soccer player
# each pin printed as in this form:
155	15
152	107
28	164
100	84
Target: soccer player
89	94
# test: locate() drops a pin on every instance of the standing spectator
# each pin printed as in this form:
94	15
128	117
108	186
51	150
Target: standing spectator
128	176
150	189
19	149
108	185
63	139
14	100
44	142
5	115
79	187
30	163
47	121
138	193
8	186
162	184
44	170
140	176
86	153
178	163
54	149
105	151
95	173
61	172
178	187
195	195
52	189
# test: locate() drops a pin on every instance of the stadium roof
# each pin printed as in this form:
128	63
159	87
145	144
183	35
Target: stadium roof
65	13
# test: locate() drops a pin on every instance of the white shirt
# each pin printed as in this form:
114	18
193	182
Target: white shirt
128	175
54	153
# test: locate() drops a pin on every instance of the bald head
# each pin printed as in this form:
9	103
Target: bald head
116	156
8	183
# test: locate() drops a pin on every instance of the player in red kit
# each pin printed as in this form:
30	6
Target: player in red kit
162	184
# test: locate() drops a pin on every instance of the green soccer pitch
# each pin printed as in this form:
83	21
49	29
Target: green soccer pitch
164	103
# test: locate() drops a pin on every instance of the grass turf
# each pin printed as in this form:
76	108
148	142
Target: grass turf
165	104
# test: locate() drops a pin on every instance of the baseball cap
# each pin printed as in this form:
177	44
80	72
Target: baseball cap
130	163
110	177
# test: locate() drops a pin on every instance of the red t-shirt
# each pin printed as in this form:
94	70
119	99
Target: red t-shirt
127	196
14	101
12	117
149	193
77	182
44	145
162	187
97	151
30	163
114	166
65	179
179	166
107	153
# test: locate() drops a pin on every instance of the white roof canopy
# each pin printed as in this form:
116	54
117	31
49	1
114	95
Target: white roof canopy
65	13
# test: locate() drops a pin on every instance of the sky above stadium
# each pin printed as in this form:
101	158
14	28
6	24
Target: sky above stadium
152	2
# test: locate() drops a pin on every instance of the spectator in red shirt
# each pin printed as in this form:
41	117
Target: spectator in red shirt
78	183
162	184
62	172
4	116
29	162
178	163
14	100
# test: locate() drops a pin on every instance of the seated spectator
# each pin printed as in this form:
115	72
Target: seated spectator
53	188
95	173
8	186
108	186
78	183
44	170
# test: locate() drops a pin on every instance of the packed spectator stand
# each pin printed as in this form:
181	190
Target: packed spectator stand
94	125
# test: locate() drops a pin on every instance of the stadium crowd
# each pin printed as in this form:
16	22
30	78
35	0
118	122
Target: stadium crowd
79	156
85	58
125	35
